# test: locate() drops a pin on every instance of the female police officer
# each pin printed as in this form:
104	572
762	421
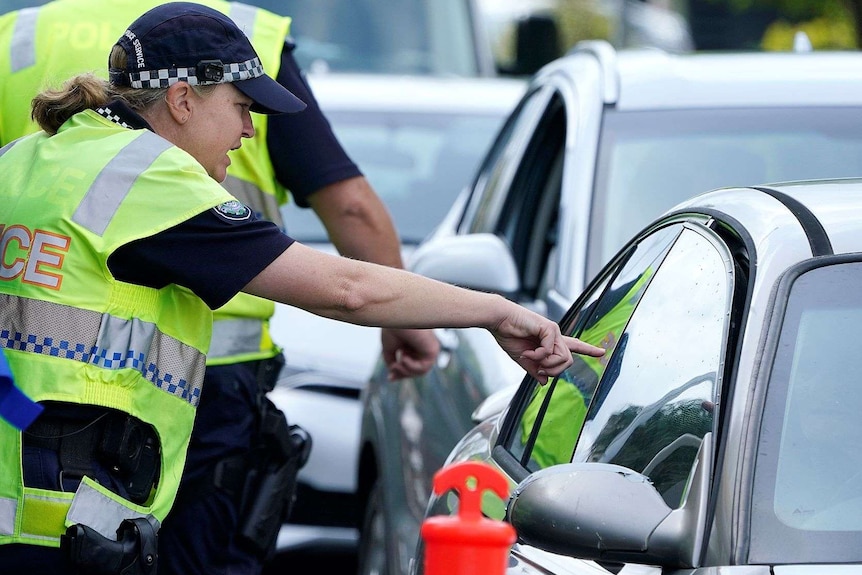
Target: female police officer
115	242
298	153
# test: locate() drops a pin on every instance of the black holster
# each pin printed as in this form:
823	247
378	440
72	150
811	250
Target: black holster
268	372
270	486
133	553
112	447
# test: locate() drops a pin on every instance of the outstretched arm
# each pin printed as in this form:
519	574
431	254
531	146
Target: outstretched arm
369	294
359	226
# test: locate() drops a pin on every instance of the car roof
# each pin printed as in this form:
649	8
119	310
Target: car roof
402	93
639	79
771	215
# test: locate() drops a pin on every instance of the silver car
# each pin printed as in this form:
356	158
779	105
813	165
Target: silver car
602	142
719	432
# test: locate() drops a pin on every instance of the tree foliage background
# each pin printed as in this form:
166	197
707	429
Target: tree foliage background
829	24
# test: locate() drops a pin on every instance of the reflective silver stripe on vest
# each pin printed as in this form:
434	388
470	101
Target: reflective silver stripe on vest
116	179
264	205
103	340
243	16
235	336
22	51
8	508
8	147
100	512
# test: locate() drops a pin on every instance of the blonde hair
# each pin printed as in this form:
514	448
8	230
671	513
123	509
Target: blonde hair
52	107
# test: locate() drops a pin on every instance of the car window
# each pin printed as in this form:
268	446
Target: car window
528	221
555	412
499	167
808	477
417	163
517	193
653	408
380	36
647	404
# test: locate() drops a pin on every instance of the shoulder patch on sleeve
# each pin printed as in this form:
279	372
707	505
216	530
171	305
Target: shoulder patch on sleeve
232	211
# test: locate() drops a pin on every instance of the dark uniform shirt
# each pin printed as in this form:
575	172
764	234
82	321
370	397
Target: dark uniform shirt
213	255
304	164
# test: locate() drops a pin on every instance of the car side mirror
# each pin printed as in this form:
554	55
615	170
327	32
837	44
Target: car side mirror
609	513
477	261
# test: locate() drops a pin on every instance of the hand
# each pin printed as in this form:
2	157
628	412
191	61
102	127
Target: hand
537	345
409	352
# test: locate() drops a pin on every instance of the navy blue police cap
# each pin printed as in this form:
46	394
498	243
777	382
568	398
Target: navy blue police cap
188	42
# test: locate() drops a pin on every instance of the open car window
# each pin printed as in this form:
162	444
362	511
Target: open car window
648	402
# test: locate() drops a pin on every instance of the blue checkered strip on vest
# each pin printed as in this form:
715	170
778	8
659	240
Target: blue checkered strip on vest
102	340
167	77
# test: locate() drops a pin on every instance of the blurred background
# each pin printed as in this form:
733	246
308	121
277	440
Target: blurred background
370	63
523	34
386	25
679	24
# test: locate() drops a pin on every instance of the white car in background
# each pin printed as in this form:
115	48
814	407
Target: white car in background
418	140
603	141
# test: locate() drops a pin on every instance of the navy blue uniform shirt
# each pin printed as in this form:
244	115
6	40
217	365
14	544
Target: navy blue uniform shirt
214	254
303	149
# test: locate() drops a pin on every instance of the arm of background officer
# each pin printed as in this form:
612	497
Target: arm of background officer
359	226
369	294
310	162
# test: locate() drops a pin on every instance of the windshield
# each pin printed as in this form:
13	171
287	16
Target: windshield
651	160
404	36
808	477
416	162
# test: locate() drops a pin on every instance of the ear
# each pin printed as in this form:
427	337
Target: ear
179	99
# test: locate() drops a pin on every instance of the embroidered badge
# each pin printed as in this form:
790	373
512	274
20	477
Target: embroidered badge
234	210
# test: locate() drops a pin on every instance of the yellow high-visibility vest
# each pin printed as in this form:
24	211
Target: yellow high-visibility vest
73	333
45	45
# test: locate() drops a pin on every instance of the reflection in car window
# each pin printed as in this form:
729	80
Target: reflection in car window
657	402
560	407
808	490
649	161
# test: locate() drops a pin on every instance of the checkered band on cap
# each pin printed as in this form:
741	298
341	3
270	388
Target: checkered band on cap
168	76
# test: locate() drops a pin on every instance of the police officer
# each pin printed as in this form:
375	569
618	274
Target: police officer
116	239
299	152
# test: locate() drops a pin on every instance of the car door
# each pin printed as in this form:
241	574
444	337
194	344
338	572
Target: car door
411	426
518	202
662	311
433	412
515	197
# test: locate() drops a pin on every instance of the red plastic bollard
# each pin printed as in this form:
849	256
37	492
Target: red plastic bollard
467	543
